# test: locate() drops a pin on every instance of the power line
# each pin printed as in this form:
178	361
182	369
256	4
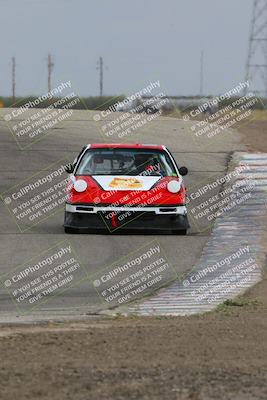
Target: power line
100	67
50	66
13	79
201	73
256	66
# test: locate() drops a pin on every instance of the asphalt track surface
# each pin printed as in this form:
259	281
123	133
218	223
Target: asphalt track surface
203	157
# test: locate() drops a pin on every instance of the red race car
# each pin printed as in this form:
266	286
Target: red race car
126	187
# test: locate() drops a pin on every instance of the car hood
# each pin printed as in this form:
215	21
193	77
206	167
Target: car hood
126	182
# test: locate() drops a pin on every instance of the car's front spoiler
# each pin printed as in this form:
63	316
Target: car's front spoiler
92	209
127	219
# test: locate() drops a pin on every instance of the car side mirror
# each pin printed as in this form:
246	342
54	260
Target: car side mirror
183	171
69	168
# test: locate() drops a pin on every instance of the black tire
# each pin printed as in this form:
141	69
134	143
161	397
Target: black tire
70	230
181	232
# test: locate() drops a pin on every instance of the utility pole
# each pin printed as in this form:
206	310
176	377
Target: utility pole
13	79
50	66
256	66
100	66
201	73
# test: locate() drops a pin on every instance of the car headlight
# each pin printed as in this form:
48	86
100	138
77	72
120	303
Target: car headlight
80	185
174	186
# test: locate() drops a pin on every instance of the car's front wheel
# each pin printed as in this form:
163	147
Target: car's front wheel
179	231
71	230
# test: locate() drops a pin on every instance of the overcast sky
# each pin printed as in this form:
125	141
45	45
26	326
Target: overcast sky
140	41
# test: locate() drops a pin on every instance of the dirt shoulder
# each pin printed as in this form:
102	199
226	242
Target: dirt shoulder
255	134
220	355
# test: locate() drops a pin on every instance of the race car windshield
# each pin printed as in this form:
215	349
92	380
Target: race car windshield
126	162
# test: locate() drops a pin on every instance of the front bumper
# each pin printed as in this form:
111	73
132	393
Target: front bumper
163	219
